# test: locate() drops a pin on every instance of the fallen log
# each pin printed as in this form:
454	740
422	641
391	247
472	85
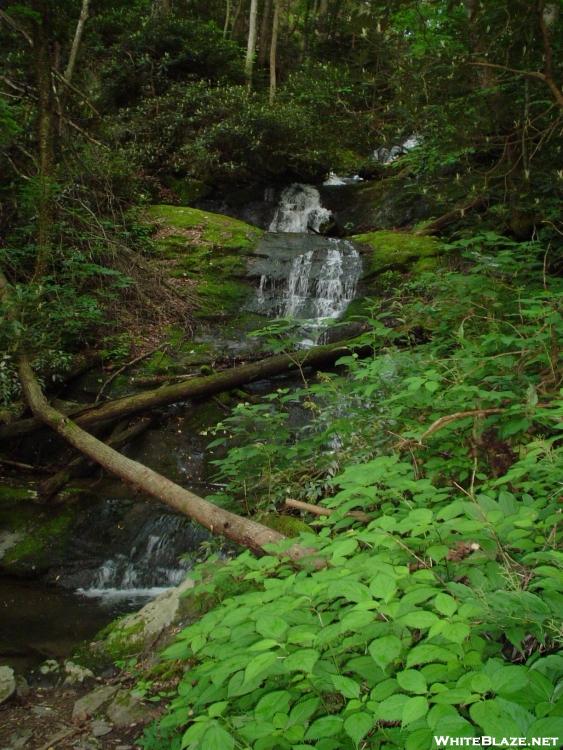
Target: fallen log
318	510
55	483
198	387
241	530
436	225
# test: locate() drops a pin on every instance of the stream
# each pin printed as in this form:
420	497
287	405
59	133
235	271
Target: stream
126	549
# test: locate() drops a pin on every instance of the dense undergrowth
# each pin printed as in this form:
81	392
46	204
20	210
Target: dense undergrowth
441	615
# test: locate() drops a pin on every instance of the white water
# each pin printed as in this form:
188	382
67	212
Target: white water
385	155
300	210
335	180
338	279
150	567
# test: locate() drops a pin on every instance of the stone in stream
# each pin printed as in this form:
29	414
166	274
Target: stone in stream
75	674
127	709
7	683
92	702
100	728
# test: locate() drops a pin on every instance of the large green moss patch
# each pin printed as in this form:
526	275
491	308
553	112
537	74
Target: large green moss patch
397	250
209	249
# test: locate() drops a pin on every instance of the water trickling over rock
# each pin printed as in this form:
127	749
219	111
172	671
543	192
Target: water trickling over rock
305	276
300	210
149	564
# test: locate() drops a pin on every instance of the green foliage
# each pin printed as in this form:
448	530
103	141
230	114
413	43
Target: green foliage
441	615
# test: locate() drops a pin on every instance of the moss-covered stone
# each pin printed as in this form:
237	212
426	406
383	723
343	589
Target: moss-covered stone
216	229
210	250
393	249
41	537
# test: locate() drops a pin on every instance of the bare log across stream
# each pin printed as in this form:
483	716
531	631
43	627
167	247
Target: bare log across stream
198	387
253	535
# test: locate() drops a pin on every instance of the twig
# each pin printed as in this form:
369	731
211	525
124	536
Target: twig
126	366
443	421
24	466
62	735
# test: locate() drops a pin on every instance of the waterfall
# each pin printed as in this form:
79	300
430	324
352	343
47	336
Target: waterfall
299	210
306	277
298	284
150	566
338	279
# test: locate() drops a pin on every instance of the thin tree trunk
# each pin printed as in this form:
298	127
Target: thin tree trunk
198	387
274	51
69	72
45	134
251	45
265	33
227	20
243	531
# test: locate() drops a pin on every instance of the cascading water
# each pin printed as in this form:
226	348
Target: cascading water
300	210
149	566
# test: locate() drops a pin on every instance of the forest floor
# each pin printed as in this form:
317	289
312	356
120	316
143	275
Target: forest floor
42	720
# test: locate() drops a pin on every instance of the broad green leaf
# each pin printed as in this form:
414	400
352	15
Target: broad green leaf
414	709
271	703
383	587
348	687
385	650
358	725
217	738
302	660
412	680
445	604
426	653
259	666
326	726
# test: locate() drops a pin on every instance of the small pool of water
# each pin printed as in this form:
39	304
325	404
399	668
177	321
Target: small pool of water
39	622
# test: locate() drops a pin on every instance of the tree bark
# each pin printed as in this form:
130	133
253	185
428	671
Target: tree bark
265	33
243	531
251	44
45	134
274	51
55	483
227	20
198	387
69	72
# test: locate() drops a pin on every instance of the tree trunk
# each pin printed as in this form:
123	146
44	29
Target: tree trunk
198	387
45	135
251	45
274	51
265	33
69	72
227	20
243	531
55	483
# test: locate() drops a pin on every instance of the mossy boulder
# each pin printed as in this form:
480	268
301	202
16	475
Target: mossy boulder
209	250
391	250
32	538
395	201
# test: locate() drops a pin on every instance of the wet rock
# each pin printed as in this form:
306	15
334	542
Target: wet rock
88	743
22	688
126	709
100	728
92	702
20	739
7	683
42	711
75	674
150	622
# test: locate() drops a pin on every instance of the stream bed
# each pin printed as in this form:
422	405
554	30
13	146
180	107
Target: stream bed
124	548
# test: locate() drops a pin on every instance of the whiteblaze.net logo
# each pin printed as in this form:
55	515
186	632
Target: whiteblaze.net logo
444	741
